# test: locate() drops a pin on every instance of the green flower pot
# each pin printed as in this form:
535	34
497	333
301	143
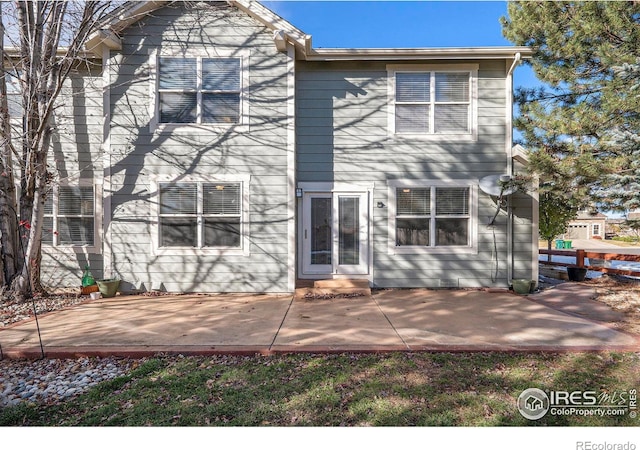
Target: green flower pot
108	288
523	287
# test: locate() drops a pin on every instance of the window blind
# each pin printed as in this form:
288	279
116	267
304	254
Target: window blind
451	118
221	74
75	201
452	201
446	110
452	87
178	107
413	201
412	118
221	199
178	74
75	230
220	108
178	199
413	87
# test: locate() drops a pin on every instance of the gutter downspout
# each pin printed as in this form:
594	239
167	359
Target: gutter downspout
509	152
107	254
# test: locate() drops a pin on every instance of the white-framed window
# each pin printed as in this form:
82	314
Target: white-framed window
202	215
70	217
433	101
192	89
596	229
433	216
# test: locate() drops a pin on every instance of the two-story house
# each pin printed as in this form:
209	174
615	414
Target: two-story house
214	149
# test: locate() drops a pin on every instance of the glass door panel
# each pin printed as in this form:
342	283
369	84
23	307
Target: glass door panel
321	231
348	231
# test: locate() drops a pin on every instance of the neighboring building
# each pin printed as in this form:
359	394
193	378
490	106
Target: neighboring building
214	149
587	225
621	228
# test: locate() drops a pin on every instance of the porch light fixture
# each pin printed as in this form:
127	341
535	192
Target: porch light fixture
298	192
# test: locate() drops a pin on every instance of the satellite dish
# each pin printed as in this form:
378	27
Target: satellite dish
492	185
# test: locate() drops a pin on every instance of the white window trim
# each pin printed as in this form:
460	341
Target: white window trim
154	192
154	107
472	69
471	248
96	248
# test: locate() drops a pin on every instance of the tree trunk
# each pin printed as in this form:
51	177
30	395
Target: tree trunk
549	241
8	205
43	69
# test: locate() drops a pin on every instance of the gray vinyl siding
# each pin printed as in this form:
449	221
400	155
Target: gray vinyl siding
342	136
139	154
76	153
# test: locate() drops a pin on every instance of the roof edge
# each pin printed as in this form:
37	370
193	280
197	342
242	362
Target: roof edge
328	54
274	22
106	36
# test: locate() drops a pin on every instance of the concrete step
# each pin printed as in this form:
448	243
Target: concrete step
341	284
333	289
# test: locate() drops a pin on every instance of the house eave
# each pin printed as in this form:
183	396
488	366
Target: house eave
284	32
400	54
106	34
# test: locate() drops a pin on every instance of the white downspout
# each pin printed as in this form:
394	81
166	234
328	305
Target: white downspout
509	152
107	254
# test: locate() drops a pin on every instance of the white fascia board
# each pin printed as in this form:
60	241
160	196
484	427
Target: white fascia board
372	54
106	35
132	14
103	39
272	21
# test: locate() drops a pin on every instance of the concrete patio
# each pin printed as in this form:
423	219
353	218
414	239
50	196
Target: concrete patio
563	318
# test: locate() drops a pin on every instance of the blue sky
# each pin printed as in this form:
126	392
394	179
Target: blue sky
375	24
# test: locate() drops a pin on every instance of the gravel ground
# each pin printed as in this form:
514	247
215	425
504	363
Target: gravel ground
49	381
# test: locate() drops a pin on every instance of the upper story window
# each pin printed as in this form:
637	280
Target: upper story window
198	90
69	217
432	102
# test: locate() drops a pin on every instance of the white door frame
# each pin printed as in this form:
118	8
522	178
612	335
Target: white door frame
334	191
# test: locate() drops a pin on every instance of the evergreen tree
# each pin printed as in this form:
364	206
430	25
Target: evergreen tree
582	129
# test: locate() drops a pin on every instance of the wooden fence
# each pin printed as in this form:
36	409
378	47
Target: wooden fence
598	261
